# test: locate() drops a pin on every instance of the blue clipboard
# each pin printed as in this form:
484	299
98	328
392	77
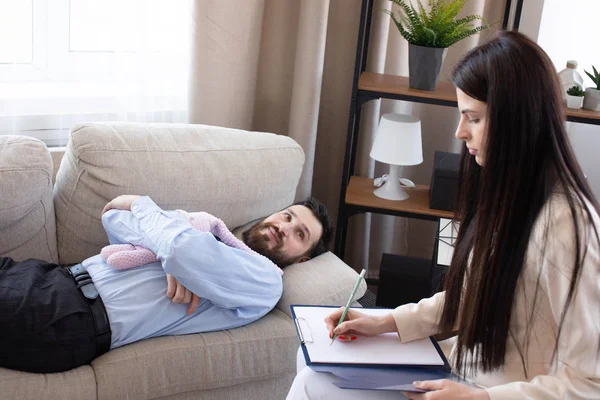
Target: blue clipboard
380	376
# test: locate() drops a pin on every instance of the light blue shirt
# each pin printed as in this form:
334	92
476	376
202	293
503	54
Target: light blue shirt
236	287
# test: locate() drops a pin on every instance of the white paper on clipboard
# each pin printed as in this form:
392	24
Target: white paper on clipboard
383	349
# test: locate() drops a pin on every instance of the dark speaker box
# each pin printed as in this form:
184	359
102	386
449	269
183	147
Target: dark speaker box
403	280
444	181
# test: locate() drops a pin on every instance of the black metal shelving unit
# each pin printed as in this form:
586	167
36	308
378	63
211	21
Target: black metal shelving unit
362	95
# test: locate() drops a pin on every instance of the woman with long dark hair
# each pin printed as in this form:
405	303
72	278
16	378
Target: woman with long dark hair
523	288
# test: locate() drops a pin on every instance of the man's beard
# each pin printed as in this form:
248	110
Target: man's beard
259	242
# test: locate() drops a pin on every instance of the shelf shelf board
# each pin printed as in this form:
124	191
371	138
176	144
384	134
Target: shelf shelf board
584	116
360	193
397	87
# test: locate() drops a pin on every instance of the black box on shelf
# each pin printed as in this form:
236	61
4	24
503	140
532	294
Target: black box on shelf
403	280
444	181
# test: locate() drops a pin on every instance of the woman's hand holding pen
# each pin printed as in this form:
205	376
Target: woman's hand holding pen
359	323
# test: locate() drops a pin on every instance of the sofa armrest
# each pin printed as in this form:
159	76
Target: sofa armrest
323	280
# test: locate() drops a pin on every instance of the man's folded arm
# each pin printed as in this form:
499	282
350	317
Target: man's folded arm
228	277
122	227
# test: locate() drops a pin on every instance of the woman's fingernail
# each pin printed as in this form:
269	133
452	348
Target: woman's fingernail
352	337
342	337
330	335
416	383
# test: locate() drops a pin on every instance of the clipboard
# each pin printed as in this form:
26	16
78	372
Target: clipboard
370	363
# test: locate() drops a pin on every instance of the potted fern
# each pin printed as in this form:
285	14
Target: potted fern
575	97
592	95
429	34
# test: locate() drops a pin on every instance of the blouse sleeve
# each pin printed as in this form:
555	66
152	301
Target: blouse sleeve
420	320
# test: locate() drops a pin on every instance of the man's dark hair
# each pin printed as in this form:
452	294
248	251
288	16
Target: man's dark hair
320	212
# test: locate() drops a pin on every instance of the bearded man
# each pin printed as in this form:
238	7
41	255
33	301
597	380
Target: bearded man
55	318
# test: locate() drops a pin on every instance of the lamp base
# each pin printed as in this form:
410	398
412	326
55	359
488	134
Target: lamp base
392	190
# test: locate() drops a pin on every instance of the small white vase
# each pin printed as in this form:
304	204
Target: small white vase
592	99
574	102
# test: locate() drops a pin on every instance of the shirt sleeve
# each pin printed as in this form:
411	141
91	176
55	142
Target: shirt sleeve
122	227
575	374
420	320
228	277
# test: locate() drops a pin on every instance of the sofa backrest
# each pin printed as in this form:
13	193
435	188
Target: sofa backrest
27	225
236	175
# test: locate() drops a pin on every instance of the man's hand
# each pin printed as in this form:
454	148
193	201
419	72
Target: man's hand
122	202
443	389
180	294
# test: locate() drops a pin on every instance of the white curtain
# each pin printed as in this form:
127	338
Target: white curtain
71	61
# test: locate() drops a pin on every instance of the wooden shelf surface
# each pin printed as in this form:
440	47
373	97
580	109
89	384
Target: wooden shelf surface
360	193
398	85
581	113
444	91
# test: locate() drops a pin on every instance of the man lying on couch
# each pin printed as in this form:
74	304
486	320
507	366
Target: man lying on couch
54	319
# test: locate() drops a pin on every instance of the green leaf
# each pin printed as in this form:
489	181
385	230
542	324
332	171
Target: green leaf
592	77
423	13
595	78
407	35
437	28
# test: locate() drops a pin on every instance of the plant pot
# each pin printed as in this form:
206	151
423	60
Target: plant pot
574	102
424	64
591	100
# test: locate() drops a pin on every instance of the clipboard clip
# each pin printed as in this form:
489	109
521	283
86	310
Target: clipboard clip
303	330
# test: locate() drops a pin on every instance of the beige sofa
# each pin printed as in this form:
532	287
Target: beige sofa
240	176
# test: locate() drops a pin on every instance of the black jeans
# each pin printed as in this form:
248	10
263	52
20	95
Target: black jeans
45	322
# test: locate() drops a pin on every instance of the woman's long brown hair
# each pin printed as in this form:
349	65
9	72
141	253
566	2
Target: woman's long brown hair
527	156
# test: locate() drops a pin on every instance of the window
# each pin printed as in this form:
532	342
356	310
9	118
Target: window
567	32
64	62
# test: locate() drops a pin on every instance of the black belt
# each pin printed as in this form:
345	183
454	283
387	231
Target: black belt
101	324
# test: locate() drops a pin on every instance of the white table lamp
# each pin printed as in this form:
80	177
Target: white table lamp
398	143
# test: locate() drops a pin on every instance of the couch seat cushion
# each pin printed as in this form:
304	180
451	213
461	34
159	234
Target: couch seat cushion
175	364
78	383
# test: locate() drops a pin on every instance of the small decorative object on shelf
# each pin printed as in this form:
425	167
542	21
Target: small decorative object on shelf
569	77
575	97
591	100
398	143
429	35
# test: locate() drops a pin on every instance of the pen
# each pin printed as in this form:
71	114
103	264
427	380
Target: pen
362	274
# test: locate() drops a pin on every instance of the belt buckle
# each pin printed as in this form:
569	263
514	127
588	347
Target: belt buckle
84	281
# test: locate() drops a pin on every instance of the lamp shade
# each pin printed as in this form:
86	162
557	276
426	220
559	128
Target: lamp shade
398	140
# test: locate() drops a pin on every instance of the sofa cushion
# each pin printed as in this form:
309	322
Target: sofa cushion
233	174
27	225
78	383
324	280
178	364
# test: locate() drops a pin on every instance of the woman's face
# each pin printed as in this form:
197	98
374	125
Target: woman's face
472	128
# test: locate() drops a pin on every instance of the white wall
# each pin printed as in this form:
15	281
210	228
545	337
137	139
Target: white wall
569	31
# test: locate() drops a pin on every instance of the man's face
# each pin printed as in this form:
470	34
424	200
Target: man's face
285	237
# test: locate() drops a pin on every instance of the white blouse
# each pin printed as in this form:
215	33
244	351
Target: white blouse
575	373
